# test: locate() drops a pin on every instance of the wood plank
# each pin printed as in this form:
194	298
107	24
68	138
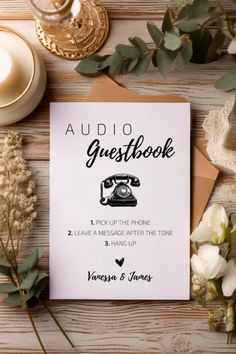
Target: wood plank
116	326
128	9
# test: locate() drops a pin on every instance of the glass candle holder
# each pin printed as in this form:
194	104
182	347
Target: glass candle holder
71	29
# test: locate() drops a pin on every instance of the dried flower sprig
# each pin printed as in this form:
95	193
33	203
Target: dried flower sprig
214	271
17	213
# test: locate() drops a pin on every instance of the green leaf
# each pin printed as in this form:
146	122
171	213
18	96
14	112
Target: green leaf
115	64
184	12
216	43
187	51
4	266
172	41
29	279
199	7
7	288
167	21
4	270
30	293
31	261
188	26
143	65
14	300
155	33
4	263
227	82
104	64
164	59
128	65
139	44
127	52
202	40
154	58
40	285
89	65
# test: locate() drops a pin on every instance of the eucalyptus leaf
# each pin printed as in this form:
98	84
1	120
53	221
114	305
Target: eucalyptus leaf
29	279
184	12
7	288
187	51
4	263
198	8
143	64
30	293
214	13
187	25
216	43
87	66
172	41
40	285
127	51
227	82
31	261
164	59
155	33
139	44
201	39
115	63
154	58
14	300
104	64
128	65
167	24
4	270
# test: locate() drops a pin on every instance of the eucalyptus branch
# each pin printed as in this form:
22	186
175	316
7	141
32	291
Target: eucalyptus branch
185	31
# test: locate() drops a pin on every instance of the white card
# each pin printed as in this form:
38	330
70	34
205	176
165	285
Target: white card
119	200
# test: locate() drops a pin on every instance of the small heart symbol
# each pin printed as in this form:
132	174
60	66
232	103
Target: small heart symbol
120	261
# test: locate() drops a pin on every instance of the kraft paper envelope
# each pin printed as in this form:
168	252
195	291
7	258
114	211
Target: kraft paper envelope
204	174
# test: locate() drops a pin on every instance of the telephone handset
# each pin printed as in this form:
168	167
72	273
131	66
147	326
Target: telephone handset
122	194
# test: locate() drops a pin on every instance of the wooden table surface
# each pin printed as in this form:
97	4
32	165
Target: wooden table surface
113	326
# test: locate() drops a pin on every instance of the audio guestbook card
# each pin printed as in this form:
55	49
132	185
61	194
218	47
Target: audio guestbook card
119	200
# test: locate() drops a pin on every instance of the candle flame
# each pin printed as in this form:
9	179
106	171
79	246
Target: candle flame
5	65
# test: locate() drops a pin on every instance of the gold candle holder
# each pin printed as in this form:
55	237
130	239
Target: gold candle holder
71	29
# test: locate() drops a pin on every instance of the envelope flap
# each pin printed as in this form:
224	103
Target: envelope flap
105	89
202	167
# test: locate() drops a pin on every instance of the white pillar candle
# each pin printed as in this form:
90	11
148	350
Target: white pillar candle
16	67
5	69
22	77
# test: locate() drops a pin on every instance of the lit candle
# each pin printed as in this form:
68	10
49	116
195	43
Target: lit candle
16	66
22	77
6	70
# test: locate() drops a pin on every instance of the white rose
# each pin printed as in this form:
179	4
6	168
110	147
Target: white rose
229	279
208	262
213	225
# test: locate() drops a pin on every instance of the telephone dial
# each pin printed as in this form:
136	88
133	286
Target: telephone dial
122	195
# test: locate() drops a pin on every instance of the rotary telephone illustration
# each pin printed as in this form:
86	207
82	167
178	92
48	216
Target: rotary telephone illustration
122	195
